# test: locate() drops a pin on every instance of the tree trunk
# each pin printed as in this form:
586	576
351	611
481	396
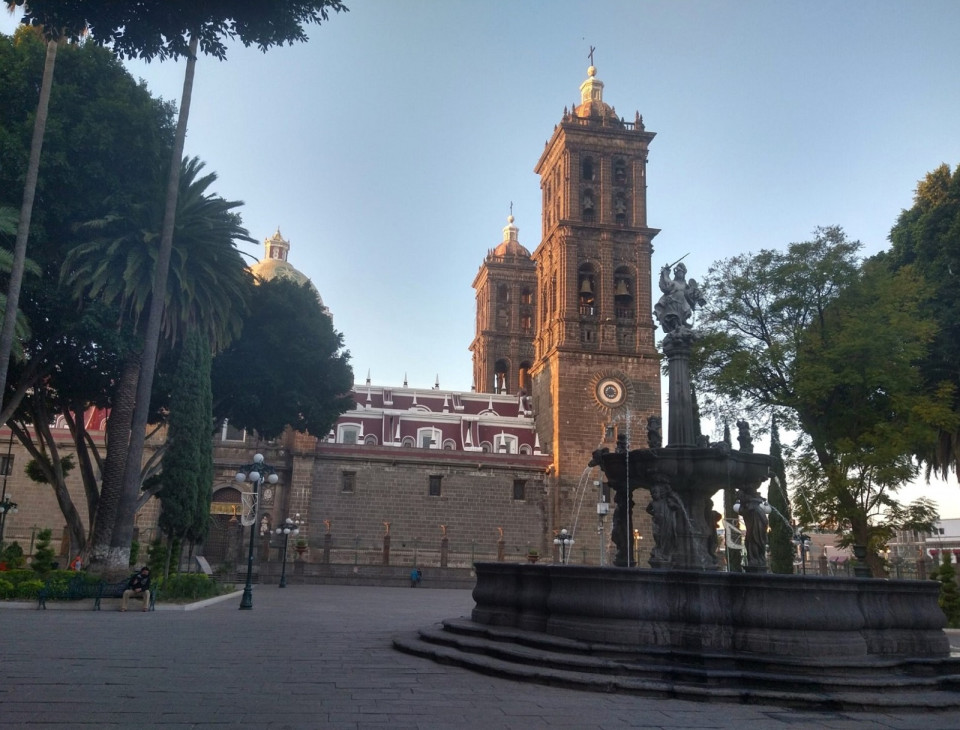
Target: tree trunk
52	470
118	440
119	554
7	332
78	431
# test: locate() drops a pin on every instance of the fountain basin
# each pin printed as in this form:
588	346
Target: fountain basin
816	618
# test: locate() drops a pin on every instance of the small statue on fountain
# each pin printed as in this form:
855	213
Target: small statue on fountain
622	447
713	523
756	521
744	437
666	510
680	298
654	433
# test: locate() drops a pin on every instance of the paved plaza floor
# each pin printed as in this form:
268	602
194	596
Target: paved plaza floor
317	657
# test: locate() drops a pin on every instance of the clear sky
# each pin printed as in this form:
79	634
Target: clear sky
389	147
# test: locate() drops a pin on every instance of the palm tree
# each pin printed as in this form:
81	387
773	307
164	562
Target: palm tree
208	288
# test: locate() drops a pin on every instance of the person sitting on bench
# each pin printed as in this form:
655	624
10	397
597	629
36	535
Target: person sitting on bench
138	587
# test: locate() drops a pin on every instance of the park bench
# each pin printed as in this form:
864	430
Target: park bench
77	589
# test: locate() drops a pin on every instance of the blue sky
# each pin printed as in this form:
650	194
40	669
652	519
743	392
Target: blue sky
389	147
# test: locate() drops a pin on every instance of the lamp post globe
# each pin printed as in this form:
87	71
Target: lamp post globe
256	474
291	526
564	540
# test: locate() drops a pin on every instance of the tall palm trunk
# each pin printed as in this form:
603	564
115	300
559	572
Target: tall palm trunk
26	212
114	463
119	553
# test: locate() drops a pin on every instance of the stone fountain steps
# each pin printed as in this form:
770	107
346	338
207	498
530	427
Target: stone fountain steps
537	657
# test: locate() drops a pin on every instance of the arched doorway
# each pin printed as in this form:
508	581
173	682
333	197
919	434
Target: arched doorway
223	541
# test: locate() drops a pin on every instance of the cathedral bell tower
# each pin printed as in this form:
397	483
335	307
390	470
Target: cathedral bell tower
506	312
596	371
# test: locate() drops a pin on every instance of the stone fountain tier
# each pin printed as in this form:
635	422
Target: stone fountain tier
683	479
689	469
806	641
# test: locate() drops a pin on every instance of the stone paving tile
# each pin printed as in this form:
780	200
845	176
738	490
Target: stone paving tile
319	657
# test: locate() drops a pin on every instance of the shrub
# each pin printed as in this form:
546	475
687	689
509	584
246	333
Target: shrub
12	555
18	576
6	589
949	593
191	586
157	558
134	553
28	588
43	555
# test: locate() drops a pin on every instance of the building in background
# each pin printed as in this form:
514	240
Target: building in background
564	361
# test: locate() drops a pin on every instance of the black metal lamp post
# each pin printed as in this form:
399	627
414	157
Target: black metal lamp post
564	540
290	527
803	540
7	507
256	473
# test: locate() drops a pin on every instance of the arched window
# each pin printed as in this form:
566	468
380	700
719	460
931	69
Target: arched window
588	209
586	289
526	295
408	442
623	288
370	440
620	208
586	168
429	438
449	445
503	293
501	376
524	374
620	171
348	433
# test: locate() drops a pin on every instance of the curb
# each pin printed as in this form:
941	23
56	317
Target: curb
86	604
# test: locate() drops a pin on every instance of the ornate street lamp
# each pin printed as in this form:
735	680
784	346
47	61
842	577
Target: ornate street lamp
564	540
7	507
290	527
256	473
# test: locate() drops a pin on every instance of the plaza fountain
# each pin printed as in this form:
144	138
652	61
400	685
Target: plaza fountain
683	628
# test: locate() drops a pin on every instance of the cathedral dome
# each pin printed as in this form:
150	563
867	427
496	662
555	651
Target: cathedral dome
510	247
274	264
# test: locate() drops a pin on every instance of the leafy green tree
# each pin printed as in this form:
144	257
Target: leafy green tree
172	29
782	549
927	238
168	29
831	348
287	368
200	527
949	599
71	356
186	430
43	555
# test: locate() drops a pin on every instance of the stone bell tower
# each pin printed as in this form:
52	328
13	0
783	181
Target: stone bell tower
506	307
596	371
